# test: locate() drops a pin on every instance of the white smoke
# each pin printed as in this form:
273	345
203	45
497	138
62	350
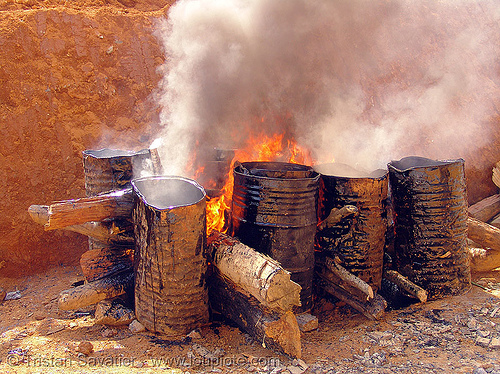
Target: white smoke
357	81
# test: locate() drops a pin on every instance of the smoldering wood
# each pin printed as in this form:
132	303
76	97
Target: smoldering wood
116	204
484	234
373	309
483	259
102	261
486	209
276	331
336	215
258	274
115	231
92	292
332	272
406	285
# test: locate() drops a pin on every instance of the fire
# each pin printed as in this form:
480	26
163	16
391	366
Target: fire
258	148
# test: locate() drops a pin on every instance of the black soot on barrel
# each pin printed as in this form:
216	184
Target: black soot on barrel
357	242
430	207
110	170
170	232
274	211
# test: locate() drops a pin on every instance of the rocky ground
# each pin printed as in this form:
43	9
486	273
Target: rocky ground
458	334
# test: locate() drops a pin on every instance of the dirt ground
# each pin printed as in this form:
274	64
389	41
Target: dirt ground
439	336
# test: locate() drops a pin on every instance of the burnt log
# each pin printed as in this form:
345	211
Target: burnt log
406	285
483	234
115	231
330	271
92	292
486	209
373	309
279	332
102	261
117	204
258	274
337	215
483	260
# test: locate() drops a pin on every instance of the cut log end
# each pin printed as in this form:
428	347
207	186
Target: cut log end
286	333
39	214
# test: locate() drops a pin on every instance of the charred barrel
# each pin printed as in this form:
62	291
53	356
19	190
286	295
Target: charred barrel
358	243
110	170
169	262
274	211
430	206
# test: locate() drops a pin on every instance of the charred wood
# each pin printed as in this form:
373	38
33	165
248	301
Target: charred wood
258	274
406	285
276	331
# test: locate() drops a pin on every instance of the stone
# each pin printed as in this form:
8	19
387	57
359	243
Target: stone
195	334
85	348
483	333
136	327
479	371
482	342
495	343
39	315
113	314
13	295
108	333
379	335
295	369
307	322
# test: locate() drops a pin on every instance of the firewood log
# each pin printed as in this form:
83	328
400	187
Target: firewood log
115	231
337	215
484	259
103	261
276	331
485	209
117	204
406	285
483	234
330	271
256	273
373	309
92	292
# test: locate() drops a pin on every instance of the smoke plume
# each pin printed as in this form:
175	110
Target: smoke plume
357	82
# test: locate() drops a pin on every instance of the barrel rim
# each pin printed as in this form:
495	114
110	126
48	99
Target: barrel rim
424	163
315	175
107	153
377	174
168	177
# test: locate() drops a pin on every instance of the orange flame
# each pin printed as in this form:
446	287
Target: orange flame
259	148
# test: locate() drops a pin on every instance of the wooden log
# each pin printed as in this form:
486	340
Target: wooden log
373	309
485	209
337	215
279	332
406	285
115	231
483	260
496	174
483	234
258	274
330	271
116	204
92	292
103	261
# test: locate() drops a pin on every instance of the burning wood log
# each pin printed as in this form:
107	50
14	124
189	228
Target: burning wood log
330	271
484	234
92	292
337	215
256	273
484	259
373	309
116	231
406	285
116	204
485	209
279	332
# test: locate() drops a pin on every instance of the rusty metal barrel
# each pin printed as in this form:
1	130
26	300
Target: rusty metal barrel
110	170
274	211
169	264
358	243
430	206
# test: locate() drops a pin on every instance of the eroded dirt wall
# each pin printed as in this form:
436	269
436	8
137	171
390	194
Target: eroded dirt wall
70	79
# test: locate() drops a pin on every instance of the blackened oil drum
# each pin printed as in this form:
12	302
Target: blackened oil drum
169	263
430	207
110	170
358	242
274	211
